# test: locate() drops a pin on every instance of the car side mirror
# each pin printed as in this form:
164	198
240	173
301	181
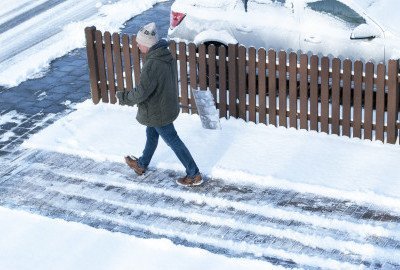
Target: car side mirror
364	31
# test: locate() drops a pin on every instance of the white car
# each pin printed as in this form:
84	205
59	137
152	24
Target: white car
334	28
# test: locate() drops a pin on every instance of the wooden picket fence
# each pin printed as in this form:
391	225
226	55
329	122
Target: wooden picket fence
274	88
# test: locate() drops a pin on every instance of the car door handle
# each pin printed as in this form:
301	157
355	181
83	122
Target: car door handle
312	39
361	38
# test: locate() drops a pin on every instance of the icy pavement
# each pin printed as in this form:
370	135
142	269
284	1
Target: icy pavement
283	227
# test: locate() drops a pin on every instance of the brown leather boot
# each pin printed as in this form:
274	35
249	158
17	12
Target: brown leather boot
132	163
190	181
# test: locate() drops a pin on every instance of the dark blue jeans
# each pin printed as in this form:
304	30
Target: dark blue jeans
171	138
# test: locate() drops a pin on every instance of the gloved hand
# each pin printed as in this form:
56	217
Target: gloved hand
120	96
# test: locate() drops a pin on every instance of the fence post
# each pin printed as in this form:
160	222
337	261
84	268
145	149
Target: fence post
92	61
393	101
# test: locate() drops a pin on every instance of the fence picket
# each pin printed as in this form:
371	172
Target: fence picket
102	68
136	60
380	102
272	87
212	79
261	66
118	61
282	89
336	65
357	109
110	67
304	91
314	92
368	100
202	67
293	90
183	77
222	81
347	66
127	62
325	94
92	62
232	74
193	75
242	82
252	84
393	101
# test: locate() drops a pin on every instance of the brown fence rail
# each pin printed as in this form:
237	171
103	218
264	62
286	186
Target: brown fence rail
275	88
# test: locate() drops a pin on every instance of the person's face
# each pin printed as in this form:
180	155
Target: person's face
143	48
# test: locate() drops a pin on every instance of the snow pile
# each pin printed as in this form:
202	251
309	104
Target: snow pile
34	242
358	170
57	31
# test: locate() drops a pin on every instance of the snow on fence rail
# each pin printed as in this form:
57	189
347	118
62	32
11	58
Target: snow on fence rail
332	96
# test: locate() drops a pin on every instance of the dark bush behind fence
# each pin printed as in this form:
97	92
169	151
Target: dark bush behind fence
302	92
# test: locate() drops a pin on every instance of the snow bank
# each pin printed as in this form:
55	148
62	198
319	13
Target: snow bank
329	165
34	242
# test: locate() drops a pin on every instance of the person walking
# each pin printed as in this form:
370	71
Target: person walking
158	105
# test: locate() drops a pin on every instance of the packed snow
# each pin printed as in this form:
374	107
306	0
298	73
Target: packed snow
29	47
56	244
329	165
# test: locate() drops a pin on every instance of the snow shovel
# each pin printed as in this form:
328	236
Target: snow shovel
206	108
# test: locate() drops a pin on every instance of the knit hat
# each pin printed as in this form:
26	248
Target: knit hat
147	35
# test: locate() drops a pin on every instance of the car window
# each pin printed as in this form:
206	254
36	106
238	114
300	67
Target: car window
338	10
